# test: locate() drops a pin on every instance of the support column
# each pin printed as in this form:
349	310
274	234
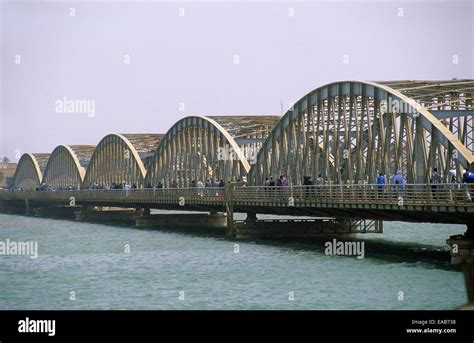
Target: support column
462	252
462	246
468	269
142	212
27	206
229	206
192	222
294	228
470	231
109	215
251	218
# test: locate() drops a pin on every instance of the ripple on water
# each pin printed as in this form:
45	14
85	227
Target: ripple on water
90	260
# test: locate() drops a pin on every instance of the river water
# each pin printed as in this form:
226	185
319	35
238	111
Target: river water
95	266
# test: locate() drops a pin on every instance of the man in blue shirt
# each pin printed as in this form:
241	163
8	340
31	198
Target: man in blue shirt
380	184
468	177
400	183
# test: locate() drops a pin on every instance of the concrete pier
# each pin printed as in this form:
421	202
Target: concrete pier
462	253
182	221
59	212
106	215
468	268
294	228
462	246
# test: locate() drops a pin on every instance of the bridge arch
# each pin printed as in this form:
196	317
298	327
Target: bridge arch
209	147
29	171
67	166
121	157
352	130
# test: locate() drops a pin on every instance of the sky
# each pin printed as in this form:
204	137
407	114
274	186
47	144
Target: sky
72	72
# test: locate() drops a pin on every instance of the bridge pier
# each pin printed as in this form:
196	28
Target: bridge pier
142	212
251	228
462	246
182	221
251	218
106	215
468	269
59	212
462	253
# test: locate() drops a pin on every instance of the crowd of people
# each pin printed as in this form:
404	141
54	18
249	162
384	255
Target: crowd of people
194	184
394	182
123	185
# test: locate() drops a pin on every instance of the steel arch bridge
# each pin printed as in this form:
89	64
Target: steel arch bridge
208	148
121	158
29	172
350	131
67	166
346	131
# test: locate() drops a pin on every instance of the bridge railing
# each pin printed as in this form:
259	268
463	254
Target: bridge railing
163	195
408	194
178	196
393	194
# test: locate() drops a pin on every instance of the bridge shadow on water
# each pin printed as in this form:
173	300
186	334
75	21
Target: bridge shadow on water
375	248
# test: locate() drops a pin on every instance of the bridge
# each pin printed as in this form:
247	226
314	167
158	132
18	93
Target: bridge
343	133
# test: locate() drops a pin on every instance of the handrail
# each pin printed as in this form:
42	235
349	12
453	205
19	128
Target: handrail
451	194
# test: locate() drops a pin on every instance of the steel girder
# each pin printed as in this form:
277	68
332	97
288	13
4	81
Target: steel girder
357	125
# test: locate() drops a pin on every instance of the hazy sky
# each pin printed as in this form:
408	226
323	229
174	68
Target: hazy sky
143	65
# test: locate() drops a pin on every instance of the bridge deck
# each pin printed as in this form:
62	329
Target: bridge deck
446	203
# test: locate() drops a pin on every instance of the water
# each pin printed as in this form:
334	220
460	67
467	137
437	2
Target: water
90	260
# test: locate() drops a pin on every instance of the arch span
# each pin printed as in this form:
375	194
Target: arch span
202	148
67	166
120	158
29	171
368	128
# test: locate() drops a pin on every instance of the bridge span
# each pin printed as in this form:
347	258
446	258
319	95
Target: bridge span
343	134
346	209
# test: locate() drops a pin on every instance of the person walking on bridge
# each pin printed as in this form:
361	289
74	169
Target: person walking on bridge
200	186
266	185
400	183
285	184
307	182
380	184
435	180
279	184
467	178
319	184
